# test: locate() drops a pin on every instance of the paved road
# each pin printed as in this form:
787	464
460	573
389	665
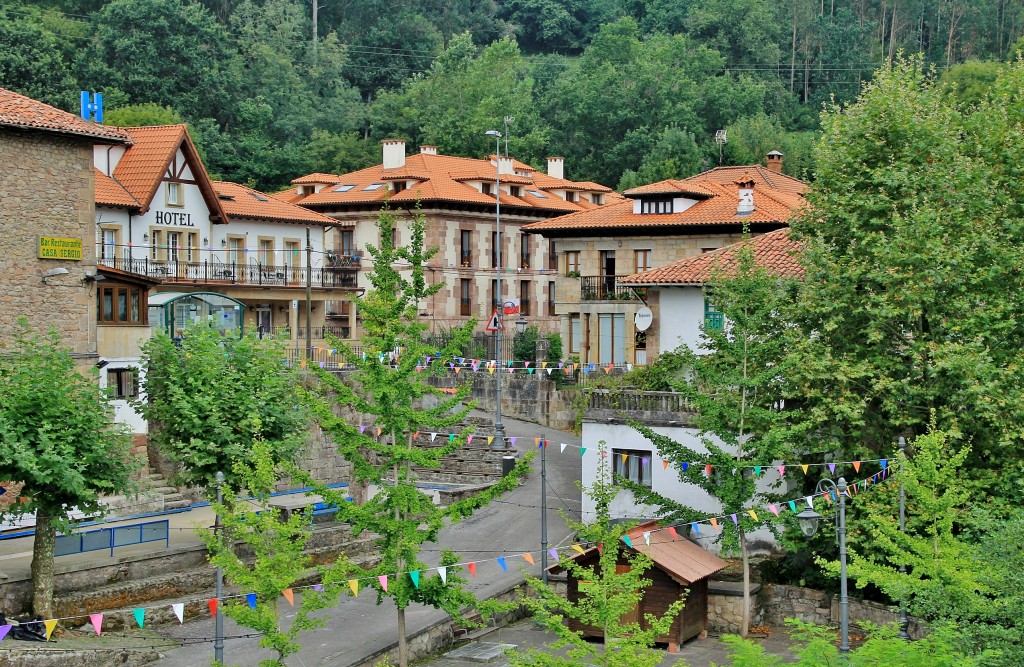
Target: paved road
357	627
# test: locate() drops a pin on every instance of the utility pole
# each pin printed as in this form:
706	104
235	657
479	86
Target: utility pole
218	620
309	296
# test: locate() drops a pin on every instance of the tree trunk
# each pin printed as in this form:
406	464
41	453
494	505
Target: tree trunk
42	565
403	650
745	622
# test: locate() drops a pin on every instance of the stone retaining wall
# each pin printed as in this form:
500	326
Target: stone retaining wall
536	398
813	606
725	606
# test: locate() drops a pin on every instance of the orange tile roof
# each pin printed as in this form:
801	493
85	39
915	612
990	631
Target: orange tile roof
716	205
111	193
761	175
240	201
774	251
442	180
29	114
143	165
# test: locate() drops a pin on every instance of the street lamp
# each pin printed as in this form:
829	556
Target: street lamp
904	620
521	325
808	521
499	428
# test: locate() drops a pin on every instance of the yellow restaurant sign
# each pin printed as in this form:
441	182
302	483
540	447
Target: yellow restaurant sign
56	248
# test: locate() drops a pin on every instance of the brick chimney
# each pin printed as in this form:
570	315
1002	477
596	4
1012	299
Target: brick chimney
774	161
427	149
556	167
394	153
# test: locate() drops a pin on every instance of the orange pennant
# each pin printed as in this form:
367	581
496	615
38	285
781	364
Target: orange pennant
856	466
528	558
664	465
714	523
212	604
472	568
289	595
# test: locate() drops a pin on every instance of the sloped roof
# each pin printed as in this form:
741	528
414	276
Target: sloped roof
774	251
143	165
717	199
240	201
762	176
683	560
111	193
441	178
29	114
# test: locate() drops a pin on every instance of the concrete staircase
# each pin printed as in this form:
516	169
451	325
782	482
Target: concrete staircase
173	499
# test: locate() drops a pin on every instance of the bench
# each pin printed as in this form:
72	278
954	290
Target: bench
113	537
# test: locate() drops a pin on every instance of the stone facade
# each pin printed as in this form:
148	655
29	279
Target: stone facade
46	189
532	397
813	606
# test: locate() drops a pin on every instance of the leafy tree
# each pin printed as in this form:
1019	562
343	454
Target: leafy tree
675	155
140	115
57	436
389	389
277	546
737	389
35	60
751	138
206	393
970	82
612	592
908	309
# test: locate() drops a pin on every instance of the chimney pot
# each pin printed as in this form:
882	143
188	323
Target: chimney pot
427	149
505	164
556	167
393	153
773	160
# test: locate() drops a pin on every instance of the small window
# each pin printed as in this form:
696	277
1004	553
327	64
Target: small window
175	197
713	319
465	248
641	260
345	188
597	198
524	297
633	465
486	188
121	304
398	186
524	250
374	186
465	297
394	238
655	206
538	194
570	196
123	382
516	190
552	256
551	299
575	332
572	263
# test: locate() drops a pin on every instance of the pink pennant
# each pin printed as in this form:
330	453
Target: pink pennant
97	622
383	579
469	440
782	471
774	509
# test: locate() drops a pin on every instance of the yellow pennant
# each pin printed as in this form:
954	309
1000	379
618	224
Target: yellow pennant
490	439
490	370
543	364
804	466
623	457
575	547
49	625
753	514
354	585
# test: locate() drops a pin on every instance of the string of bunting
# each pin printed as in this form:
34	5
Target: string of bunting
459	364
355	584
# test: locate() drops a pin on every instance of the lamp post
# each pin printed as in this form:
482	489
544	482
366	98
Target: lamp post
218	618
808	520
499	428
904	621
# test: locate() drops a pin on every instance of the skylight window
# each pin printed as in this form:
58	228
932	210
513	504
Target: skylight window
374	186
344	188
258	197
538	194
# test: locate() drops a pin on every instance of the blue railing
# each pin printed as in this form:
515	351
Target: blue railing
113	537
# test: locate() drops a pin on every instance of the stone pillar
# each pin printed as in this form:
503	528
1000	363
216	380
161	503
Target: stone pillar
543	346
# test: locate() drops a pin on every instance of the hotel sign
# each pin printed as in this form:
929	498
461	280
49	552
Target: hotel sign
51	247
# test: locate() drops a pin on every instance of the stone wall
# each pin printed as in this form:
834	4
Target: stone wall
46	189
813	606
725	606
536	398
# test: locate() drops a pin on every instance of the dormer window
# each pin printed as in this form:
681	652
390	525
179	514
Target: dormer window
515	190
307	189
175	197
487	188
570	196
398	186
597	198
663	205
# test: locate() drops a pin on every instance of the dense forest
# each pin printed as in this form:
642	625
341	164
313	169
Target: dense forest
629	91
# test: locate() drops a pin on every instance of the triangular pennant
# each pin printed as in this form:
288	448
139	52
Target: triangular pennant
49	625
251	599
562	445
782	471
757	471
856	466
753	515
501	563
362	429
735	521
97	622
179	611
792	506
212	604
810	501
548	371
451	437
526	364
415	435
583	450
707	470
536	441
696	528
528	558
4	629
513	439
578	548
443	573
490	369
629	542
685	466
832	468
490	439
561	364
529	371
884	463
289	595
600	547
774	509
469	440
510	369
664	464
804	466
383	579
353	585
647	537
379	431
672	532
472	569
415	576
624	457
140	616
433	436
553	553
714	523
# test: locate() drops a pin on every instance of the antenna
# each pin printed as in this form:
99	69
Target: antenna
92	107
508	121
721	140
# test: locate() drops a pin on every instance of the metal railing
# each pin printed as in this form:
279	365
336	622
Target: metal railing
633	400
346	259
233	273
604	288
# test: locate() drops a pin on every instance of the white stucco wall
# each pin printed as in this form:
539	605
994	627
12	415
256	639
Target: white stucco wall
681	313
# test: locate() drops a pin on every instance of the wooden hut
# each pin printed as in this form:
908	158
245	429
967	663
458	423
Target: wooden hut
679	567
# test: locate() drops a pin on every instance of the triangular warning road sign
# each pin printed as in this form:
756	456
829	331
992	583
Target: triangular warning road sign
494	324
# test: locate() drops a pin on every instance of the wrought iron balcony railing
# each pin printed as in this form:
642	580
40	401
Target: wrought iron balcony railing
231	273
604	288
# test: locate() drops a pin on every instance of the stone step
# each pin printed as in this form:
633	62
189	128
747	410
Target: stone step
163	490
177	504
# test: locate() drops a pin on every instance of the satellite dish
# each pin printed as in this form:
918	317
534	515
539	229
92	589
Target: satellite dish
643	319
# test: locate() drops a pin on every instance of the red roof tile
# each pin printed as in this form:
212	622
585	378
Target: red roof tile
111	193
240	201
774	251
26	113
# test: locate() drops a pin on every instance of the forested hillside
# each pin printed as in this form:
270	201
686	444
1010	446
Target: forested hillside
629	91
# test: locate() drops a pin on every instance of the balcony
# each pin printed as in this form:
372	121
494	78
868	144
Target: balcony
348	258
604	288
223	273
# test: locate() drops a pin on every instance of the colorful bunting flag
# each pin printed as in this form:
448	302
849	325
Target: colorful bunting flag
443	573
583	450
553	553
490	439
757	471
562	445
415	576
804	466
696	528
714	523
501	563
832	468
289	595
664	464
353	585
97	622
140	616
672	532
782	471
383	579
4	629
472	569
792	506
528	558
856	466
735	521
212	604
251	599
753	514
774	509
578	548
49	625
629	542
179	611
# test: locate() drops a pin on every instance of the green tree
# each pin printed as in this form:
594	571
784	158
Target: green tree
611	593
262	553
908	309
58	437
389	389
36	60
737	385
674	155
140	115
205	395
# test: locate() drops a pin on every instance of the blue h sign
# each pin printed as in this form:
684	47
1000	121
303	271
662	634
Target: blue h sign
92	108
